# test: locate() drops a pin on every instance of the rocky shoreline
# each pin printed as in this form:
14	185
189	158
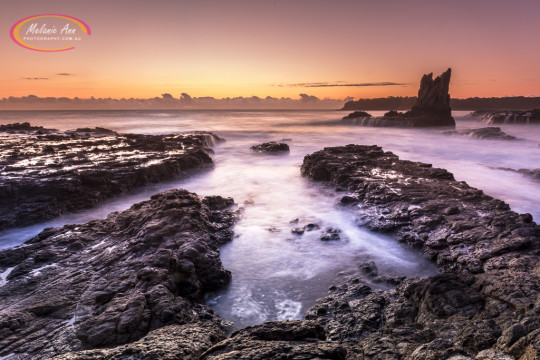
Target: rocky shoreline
130	286
45	172
483	305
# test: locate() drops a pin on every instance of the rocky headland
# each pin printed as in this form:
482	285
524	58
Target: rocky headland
432	107
493	117
492	133
45	172
136	277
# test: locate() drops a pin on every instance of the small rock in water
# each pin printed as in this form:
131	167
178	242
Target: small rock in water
271	147
310	227
330	234
369	268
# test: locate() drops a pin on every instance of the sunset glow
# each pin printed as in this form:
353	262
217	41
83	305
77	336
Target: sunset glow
267	48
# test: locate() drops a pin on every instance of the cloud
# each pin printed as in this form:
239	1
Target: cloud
308	98
65	74
36	78
334	84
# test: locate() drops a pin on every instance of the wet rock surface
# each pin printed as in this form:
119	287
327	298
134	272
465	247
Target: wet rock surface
111	282
493	133
44	173
167	343
432	107
277	340
535	173
487	295
357	118
508	117
271	147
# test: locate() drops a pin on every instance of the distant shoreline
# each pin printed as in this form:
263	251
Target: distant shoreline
467	104
31	103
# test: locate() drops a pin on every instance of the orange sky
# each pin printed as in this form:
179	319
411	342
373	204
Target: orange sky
244	48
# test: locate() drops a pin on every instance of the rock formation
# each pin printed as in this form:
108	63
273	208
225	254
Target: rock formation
432	107
508	117
492	133
44	176
110	282
271	147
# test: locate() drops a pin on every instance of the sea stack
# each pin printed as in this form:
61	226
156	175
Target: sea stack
432	108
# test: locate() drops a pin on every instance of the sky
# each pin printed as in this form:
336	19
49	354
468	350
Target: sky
280	48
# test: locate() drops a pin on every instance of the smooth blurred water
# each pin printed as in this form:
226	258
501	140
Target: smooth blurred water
277	274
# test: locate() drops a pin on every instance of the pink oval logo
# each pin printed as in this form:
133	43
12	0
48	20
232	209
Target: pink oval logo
49	32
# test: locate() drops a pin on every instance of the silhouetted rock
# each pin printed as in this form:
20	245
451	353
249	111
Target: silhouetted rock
47	175
492	117
494	133
111	281
271	147
432	107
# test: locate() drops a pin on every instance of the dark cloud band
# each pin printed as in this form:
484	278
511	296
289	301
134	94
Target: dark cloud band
327	84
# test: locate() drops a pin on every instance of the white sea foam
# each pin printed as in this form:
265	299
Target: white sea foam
4	275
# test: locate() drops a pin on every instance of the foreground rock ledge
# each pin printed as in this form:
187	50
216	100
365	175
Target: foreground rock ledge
44	172
110	282
488	294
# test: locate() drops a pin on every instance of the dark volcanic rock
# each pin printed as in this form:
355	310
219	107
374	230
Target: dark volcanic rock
44	176
171	342
98	130
508	117
485	299
494	133
357	114
432	107
277	340
271	147
357	118
24	128
535	173
110	282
